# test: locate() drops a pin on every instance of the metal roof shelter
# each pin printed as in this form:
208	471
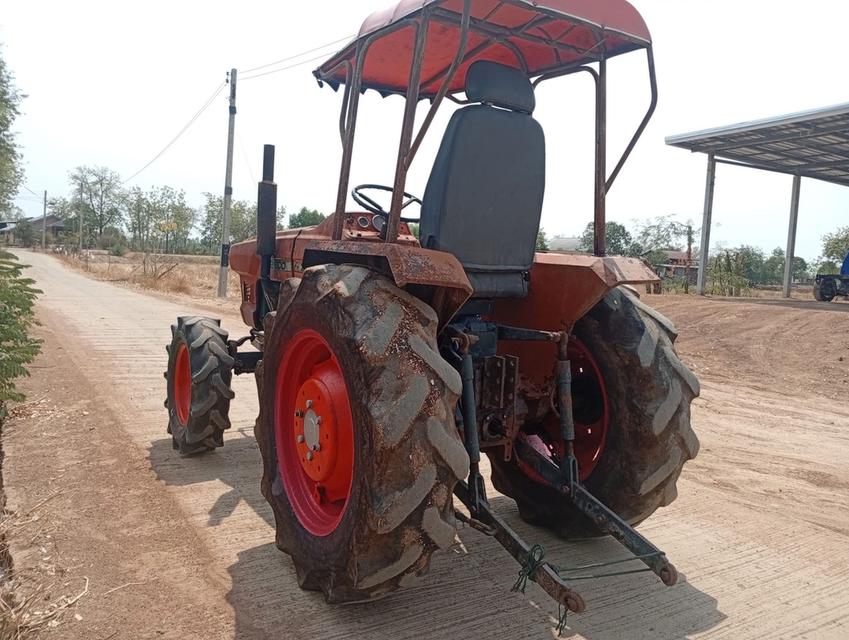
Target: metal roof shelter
810	144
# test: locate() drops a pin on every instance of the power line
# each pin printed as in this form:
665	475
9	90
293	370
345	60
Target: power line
291	66
30	190
298	55
221	86
181	132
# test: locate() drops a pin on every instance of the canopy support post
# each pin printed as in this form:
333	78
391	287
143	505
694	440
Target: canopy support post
704	249
790	255
599	218
413	83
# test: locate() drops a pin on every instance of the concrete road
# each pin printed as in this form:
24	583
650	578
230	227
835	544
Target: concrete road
183	548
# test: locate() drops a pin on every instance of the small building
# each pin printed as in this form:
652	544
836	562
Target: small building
53	225
7	231
678	265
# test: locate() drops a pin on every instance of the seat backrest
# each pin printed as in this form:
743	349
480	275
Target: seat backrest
484	198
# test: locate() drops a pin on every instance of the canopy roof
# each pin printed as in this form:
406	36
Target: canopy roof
813	144
537	36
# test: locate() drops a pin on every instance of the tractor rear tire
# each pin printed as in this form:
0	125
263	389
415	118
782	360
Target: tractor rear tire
649	438
199	374
376	346
825	290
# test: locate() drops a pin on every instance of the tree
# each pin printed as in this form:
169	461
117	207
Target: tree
835	245
826	267
618	239
98	198
661	234
752	263
11	172
305	218
542	241
17	349
24	233
242	221
773	271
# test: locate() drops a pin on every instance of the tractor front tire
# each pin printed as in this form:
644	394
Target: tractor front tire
199	373
649	437
352	365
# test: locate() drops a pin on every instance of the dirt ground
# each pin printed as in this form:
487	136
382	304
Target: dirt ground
176	548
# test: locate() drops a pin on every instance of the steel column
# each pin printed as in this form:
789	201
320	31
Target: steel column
413	83
790	255
704	249
599	222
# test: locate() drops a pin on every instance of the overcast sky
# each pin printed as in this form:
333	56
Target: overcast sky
110	83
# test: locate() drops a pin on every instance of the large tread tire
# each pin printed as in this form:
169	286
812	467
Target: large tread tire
408	454
825	290
649	438
211	374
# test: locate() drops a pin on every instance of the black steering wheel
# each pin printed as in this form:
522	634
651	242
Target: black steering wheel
372	207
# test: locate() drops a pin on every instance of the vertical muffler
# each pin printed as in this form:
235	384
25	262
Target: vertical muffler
266	232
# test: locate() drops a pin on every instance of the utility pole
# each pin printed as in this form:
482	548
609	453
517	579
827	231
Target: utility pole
44	224
689	257
81	216
228	192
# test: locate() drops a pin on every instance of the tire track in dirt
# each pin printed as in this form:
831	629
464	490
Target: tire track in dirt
741	532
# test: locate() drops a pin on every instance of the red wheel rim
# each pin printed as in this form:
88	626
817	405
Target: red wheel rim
590	414
183	384
314	432
590	411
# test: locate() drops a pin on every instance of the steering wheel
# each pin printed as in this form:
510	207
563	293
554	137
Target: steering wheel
372	207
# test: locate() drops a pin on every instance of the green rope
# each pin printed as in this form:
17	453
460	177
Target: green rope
561	622
532	563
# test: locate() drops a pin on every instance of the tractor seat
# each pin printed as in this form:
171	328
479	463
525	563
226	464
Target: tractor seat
483	200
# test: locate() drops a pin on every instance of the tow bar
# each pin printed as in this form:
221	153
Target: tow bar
564	477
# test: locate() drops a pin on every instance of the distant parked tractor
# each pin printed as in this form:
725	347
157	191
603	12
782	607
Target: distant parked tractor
386	364
828	286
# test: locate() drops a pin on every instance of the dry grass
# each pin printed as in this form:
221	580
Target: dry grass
28	604
190	276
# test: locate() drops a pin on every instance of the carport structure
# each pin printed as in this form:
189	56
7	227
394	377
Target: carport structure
810	144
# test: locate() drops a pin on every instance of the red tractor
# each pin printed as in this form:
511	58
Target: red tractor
387	363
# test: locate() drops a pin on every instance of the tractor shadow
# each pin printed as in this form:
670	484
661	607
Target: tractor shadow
237	465
467	592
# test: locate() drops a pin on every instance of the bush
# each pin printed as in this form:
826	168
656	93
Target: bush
17	349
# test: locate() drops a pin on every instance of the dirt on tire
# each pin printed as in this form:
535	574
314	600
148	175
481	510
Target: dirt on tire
407	456
649	391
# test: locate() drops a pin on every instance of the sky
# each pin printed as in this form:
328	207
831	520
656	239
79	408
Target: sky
111	83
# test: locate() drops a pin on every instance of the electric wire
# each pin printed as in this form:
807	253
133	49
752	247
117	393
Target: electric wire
30	190
200	111
298	55
207	104
286	68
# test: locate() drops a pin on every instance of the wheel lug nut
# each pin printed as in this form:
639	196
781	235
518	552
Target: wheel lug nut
318	420
298	414
317	447
309	404
309	455
300	438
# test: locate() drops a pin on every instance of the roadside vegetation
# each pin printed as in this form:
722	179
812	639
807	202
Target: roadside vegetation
17	348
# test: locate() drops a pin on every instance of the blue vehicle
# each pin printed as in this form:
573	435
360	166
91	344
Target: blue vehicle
828	287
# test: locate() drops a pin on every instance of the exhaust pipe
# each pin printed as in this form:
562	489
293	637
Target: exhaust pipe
266	229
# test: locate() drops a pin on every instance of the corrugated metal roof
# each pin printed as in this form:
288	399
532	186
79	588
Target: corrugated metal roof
813	144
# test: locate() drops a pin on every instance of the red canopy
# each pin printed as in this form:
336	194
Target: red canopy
537	36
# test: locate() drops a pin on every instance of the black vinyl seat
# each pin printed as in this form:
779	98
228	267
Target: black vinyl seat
483	200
